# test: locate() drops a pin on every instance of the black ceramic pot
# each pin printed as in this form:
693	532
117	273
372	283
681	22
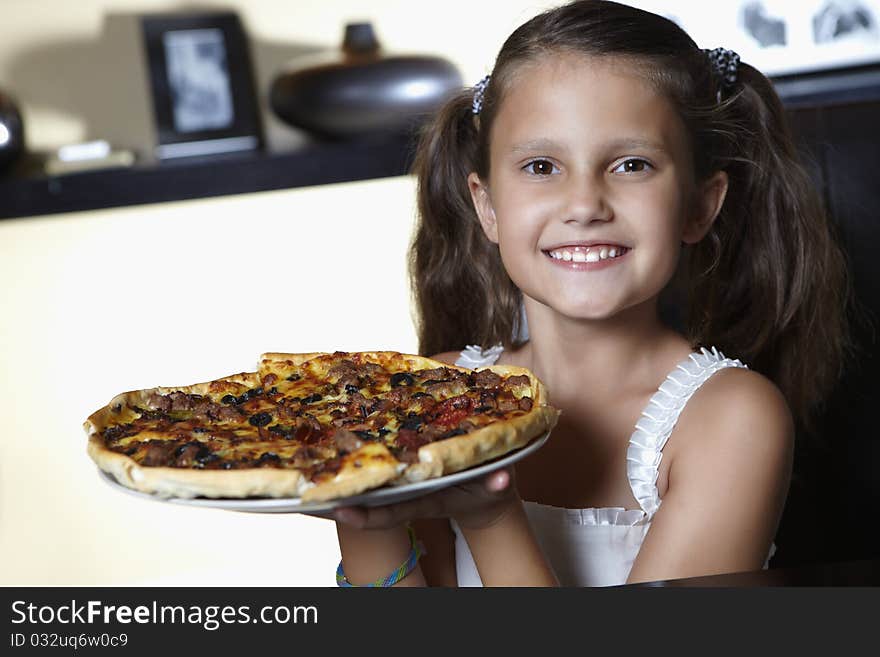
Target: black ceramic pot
359	90
11	132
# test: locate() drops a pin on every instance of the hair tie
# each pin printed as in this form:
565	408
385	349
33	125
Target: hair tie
725	67
479	92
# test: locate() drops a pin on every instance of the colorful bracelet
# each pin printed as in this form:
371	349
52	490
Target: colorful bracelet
416	551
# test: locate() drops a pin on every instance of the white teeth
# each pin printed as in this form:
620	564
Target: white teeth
589	255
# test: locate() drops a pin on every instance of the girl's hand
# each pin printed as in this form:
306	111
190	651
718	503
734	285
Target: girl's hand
473	505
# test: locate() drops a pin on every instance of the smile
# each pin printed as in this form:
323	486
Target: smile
578	254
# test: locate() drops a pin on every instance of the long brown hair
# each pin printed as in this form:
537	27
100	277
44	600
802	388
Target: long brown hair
767	285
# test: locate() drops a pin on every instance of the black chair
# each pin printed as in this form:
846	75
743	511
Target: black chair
835	492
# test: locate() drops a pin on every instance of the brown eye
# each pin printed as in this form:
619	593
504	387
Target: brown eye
632	166
540	167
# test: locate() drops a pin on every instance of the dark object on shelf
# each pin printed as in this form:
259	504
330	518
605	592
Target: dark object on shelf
202	85
11	132
831	87
360	90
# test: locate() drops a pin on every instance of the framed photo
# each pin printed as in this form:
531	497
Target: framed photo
816	52
782	37
204	99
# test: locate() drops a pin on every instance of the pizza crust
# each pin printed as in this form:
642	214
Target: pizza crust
369	467
389	359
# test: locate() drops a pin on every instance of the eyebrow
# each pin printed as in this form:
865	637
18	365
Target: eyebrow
544	144
537	145
634	142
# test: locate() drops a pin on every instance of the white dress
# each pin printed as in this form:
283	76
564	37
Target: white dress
597	547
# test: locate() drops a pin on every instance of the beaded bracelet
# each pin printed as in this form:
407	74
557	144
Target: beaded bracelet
415	552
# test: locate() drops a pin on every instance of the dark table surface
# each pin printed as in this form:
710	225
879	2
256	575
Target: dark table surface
851	573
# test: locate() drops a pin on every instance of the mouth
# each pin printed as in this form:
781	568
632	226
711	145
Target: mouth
593	253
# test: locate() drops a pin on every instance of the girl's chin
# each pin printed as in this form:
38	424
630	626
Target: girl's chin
587	312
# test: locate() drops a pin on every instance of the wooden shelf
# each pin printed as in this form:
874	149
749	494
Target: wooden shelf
315	164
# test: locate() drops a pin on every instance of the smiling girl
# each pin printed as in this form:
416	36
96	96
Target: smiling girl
557	200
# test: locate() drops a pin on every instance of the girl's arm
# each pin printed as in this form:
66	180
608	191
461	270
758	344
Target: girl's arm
507	553
490	515
438	564
370	554
728	481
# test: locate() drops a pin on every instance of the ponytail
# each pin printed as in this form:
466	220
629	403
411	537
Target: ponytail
769	282
461	290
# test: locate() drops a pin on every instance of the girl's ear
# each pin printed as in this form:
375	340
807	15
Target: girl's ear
483	206
709	199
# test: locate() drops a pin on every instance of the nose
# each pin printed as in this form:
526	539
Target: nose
586	201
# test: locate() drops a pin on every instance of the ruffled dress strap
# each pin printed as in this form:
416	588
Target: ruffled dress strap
474	356
657	421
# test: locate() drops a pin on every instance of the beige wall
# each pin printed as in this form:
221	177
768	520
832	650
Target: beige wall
96	303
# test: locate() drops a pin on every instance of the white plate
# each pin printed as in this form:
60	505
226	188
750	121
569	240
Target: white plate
378	497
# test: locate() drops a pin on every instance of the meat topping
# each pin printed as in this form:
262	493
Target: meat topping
442	389
180	401
157	402
517	381
346	440
487	379
507	402
158	453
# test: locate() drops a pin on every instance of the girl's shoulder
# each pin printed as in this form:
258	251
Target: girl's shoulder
736	410
737	390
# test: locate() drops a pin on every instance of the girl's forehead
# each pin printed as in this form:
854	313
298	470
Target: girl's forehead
581	97
586	72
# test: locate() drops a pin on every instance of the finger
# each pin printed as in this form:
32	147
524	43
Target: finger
350	515
386	517
497	481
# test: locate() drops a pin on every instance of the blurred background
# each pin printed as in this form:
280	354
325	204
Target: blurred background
170	171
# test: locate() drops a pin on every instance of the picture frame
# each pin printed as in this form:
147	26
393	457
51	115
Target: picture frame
816	52
782	37
202	85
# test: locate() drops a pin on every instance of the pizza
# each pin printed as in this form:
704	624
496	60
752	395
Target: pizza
317	426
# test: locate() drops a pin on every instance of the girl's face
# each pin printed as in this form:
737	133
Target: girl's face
591	190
